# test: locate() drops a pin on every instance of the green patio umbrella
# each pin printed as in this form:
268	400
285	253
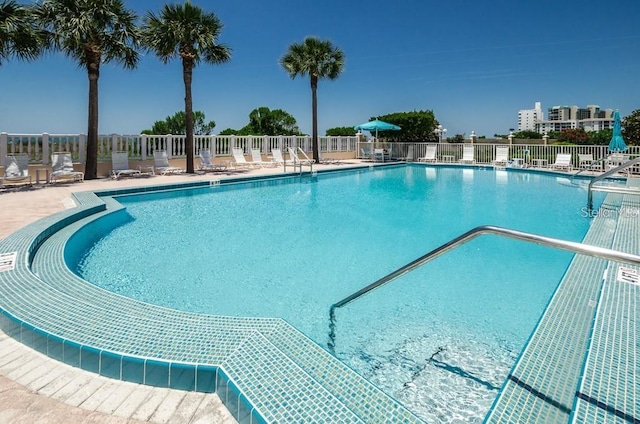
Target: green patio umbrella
617	144
376	125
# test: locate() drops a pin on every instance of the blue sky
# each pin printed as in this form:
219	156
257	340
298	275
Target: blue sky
475	64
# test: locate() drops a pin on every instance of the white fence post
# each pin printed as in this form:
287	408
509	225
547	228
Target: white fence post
168	147
4	137
143	146
45	149
83	148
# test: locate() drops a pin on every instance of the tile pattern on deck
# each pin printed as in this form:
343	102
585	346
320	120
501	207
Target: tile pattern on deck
610	388
117	336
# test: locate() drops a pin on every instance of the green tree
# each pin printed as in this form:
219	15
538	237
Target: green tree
631	128
339	131
91	33
177	124
527	134
416	126
19	34
187	32
263	121
318	59
602	137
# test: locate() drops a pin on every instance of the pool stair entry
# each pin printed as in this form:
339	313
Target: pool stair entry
571	246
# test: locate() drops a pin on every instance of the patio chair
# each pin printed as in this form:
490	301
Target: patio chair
240	161
161	164
278	158
378	155
563	162
328	161
585	161
63	168
468	154
430	154
256	157
409	156
120	166
16	170
206	163
502	156
365	153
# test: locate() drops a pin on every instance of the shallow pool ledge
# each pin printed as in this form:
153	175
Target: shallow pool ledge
263	369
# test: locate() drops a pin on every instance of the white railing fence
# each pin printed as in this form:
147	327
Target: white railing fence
485	153
140	147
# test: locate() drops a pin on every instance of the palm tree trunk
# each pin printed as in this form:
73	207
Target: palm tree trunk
314	118
187	75
91	163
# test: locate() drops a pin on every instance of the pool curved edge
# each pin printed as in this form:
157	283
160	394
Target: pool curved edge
262	368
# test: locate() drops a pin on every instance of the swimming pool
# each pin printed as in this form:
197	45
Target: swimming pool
441	339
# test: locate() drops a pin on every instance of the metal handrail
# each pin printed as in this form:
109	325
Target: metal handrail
605	175
590	167
585	249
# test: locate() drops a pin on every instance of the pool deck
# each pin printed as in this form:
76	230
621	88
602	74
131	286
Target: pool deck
594	325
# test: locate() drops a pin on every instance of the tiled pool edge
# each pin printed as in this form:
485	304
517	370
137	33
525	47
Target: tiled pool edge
224	379
544	385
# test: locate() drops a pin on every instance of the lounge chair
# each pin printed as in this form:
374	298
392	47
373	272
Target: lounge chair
585	160
206	163
16	170
297	160
468	154
120	166
63	168
378	155
563	162
256	158
328	161
240	161
502	156
161	164
365	153
430	154
278	158
409	156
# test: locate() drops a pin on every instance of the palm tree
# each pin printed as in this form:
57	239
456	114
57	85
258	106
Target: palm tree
91	33
185	31
318	59
19	36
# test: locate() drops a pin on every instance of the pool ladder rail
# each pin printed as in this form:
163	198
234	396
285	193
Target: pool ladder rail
622	190
585	249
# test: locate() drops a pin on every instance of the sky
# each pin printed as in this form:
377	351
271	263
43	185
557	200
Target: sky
475	64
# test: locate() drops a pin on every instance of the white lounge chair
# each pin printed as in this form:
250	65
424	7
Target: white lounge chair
409	156
502	156
256	158
430	154
279	159
16	170
468	154
378	155
240	161
206	162
563	162
120	166
297	160
585	161
63	168
328	161
365	153
161	164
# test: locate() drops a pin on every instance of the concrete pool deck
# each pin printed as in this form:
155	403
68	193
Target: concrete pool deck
21	207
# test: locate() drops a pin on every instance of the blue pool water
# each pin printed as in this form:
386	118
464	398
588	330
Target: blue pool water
441	340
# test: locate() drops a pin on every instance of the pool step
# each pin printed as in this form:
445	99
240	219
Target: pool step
35	388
